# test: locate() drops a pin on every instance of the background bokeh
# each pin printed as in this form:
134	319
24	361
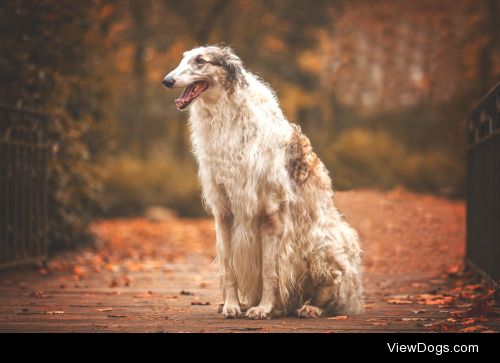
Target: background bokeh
380	87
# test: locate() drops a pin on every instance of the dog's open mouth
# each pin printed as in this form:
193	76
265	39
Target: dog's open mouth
190	93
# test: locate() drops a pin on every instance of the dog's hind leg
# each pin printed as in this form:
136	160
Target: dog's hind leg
231	307
336	274
309	311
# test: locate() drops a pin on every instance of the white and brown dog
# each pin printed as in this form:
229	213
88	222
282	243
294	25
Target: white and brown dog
282	246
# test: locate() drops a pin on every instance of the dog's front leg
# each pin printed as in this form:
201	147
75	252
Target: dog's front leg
231	308
271	232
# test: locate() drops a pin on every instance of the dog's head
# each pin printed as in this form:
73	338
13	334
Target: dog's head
205	71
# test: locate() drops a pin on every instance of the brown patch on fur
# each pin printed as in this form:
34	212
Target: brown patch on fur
268	221
302	161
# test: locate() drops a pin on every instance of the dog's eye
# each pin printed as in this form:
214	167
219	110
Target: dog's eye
199	60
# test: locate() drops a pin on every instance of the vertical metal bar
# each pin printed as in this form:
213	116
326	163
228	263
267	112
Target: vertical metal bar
3	183
36	194
22	200
7	203
45	199
29	193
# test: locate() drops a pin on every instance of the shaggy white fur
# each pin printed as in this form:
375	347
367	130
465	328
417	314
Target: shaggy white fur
282	246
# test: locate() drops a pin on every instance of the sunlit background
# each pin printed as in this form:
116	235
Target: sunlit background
380	87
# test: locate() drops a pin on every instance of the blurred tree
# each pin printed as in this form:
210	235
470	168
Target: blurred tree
45	64
353	74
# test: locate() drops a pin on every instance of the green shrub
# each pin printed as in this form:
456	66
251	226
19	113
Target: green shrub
364	158
131	184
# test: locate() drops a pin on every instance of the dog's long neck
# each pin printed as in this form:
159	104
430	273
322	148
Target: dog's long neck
233	118
217	111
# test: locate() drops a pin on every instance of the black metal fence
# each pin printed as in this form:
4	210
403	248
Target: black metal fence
24	158
483	186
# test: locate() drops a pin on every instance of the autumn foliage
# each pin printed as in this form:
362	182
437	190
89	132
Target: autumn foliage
381	88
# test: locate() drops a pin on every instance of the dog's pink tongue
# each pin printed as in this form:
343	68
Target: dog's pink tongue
184	97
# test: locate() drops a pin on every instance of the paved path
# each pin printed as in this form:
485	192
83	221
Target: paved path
145	276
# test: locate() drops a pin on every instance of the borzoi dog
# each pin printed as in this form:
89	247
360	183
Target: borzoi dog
282	246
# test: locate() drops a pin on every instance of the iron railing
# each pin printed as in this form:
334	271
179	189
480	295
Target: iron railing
483	186
24	188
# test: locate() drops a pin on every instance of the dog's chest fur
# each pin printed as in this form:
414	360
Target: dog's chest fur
245	157
230	158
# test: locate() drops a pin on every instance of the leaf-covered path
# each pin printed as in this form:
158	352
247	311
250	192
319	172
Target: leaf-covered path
157	276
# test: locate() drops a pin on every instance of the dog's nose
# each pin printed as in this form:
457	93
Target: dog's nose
168	81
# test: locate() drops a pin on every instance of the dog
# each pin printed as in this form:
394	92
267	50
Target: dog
282	246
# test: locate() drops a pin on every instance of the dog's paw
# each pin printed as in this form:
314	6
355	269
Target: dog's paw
259	312
309	312
231	311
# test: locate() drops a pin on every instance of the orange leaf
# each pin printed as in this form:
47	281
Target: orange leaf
399	301
79	271
340	317
379	323
472	329
56	312
411	319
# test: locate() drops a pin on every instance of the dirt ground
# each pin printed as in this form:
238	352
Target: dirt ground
146	275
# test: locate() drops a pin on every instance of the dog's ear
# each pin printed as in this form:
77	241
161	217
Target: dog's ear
233	66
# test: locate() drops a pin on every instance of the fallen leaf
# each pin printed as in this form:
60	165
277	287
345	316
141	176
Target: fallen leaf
472	329
428	299
411	319
376	322
418	285
104	309
418	311
469	321
379	323
79	271
399	301
143	296
454	270
473	287
458	312
111	267
134	266
435	323
25	311
339	317
200	303
39	294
